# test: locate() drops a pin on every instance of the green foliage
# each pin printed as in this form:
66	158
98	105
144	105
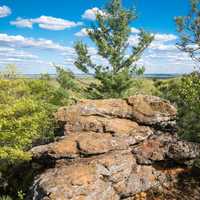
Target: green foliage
110	34
65	78
189	30
26	115
185	92
69	88
143	86
20	195
5	198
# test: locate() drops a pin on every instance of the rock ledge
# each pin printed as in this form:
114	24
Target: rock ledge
110	150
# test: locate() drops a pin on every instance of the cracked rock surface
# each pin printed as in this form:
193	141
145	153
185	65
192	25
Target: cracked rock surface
111	150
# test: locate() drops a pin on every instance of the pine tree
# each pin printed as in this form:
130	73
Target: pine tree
187	91
189	30
110	33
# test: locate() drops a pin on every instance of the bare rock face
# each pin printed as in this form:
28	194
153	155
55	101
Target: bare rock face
110	150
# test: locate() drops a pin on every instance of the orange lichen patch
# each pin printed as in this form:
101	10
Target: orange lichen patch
163	107
139	104
141	196
149	106
81	174
121	126
84	123
65	146
112	159
150	109
91	143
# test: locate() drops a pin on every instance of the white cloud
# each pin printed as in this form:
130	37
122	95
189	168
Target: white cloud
46	22
90	14
165	37
52	23
29	54
82	33
25	23
166	60
11	55
135	30
162	42
133	40
162	46
162	56
4	11
20	41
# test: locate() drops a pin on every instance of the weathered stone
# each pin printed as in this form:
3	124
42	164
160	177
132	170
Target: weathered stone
165	147
154	149
183	151
109	107
79	144
151	110
109	177
111	150
141	108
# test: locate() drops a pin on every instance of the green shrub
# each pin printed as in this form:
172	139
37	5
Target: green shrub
5	198
185	92
26	116
143	86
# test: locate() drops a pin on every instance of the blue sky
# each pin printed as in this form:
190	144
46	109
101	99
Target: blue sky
34	34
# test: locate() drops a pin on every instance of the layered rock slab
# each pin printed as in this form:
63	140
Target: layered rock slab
111	150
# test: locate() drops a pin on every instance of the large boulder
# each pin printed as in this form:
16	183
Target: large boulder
146	110
110	150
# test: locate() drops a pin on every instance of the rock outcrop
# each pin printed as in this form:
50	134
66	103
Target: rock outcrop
110	150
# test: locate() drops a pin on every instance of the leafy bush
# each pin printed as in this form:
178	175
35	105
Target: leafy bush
26	115
5	198
185	92
143	86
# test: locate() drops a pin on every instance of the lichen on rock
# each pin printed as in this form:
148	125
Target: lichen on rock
110	150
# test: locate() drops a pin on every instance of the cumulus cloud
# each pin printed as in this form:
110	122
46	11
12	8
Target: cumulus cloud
12	55
162	56
133	40
82	33
31	55
25	23
46	22
18	54
90	14
4	11
21	41
166	59
163	42
135	30
162	46
165	37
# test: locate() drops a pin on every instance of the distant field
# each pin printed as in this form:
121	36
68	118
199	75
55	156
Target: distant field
151	76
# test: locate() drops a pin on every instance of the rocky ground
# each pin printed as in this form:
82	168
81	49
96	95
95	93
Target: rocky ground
116	149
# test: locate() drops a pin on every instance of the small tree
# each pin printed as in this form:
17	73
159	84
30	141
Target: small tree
189	30
186	93
65	78
110	33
